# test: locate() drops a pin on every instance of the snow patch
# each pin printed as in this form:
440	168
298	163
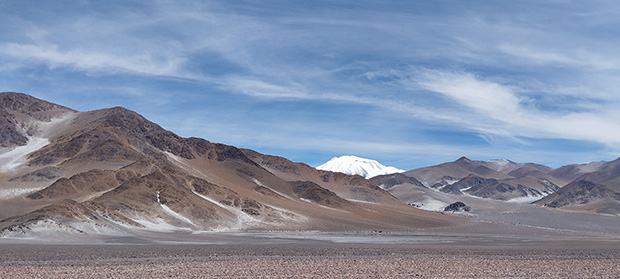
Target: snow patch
361	201
47	129
528	199
151	223
431	205
499	162
289	215
451	181
38	228
174	214
50	229
6	194
95	195
243	219
187	166
263	185
12	158
320	205
156	224
98	229
501	165
354	165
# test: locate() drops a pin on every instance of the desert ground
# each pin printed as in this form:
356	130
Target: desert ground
316	255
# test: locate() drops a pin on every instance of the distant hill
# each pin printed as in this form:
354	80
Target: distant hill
496	179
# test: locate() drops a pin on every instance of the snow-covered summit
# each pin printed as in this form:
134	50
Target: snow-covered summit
355	165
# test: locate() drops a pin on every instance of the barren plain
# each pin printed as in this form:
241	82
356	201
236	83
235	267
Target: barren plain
317	255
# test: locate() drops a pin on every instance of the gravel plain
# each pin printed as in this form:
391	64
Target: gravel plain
314	259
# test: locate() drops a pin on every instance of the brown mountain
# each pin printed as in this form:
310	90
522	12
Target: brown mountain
584	195
21	117
502	189
441	175
496	179
596	188
571	172
111	171
606	173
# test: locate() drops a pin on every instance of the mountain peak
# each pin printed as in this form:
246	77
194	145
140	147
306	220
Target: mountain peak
463	159
31	106
354	165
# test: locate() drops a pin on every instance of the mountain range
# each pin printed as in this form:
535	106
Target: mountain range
592	187
112	172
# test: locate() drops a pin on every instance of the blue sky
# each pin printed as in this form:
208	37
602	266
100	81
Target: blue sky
408	83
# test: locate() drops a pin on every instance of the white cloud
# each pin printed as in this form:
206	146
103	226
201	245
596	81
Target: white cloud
493	99
497	109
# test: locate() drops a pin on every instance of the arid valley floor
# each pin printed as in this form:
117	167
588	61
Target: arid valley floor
427	254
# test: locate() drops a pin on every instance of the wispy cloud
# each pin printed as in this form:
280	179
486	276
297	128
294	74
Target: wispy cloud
516	115
573	58
92	62
263	89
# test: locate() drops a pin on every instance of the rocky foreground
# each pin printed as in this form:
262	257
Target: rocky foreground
312	260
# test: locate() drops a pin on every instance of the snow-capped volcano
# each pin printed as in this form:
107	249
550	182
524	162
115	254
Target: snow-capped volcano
355	165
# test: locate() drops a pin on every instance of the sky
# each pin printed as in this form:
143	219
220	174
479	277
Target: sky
407	83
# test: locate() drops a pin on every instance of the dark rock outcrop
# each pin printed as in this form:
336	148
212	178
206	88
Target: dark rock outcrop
457	207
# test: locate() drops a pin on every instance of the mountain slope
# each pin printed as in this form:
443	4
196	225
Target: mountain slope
571	172
111	171
353	165
351	187
596	188
607	173
584	195
502	189
22	116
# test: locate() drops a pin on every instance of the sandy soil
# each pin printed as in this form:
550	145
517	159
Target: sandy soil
314	259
